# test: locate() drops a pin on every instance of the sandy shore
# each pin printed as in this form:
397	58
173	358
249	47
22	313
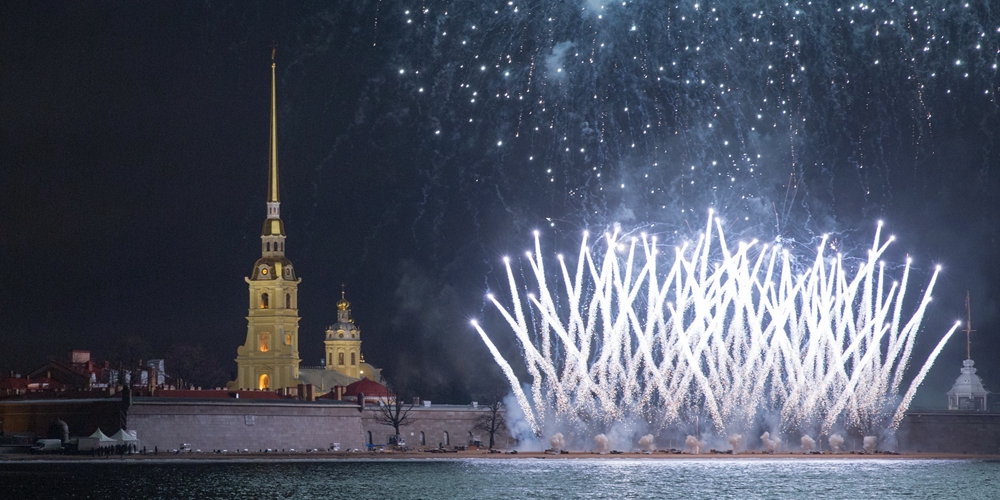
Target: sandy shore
418	455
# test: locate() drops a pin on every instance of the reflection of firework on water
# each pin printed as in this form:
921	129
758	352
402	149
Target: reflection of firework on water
726	331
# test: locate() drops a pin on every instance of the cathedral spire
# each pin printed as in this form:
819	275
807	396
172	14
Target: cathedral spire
273	199
273	235
269	358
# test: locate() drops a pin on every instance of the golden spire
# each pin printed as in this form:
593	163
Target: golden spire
272	185
274	230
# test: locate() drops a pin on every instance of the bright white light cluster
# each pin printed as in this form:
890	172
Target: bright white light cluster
724	332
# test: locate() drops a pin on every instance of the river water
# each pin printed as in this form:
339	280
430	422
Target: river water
499	478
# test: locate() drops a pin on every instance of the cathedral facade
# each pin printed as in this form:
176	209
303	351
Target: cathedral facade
269	357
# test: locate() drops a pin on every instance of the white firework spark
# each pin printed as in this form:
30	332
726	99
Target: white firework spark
728	332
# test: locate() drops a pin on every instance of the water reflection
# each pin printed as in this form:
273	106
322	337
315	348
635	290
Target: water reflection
502	478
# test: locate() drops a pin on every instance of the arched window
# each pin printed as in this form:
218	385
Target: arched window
263	301
288	300
265	342
340	358
422	440
288	339
268	246
329	359
447	439
353	359
264	382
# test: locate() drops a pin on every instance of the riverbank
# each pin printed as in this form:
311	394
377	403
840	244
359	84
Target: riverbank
477	454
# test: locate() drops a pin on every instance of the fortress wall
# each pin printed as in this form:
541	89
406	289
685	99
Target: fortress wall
231	425
457	420
950	432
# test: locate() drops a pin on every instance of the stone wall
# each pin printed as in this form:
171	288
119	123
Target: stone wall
83	416
444	425
234	424
254	425
950	432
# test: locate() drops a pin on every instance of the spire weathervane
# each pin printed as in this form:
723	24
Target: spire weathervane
968	327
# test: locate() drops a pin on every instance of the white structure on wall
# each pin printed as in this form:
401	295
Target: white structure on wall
968	392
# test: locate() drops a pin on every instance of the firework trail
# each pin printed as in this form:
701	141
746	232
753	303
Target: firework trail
725	331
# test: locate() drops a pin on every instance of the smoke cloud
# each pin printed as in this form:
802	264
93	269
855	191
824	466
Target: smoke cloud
808	444
557	441
735	441
870	444
836	442
646	443
554	61
694	444
770	443
602	444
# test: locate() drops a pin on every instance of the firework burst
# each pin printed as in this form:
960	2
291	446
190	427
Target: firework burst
715	330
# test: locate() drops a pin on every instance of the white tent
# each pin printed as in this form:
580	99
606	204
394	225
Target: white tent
95	440
122	437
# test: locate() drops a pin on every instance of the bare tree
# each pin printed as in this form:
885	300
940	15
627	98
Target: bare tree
493	419
395	414
191	365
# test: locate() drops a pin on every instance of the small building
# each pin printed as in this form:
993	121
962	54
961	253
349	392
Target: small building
968	392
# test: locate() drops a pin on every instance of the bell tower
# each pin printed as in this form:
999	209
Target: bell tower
343	342
269	359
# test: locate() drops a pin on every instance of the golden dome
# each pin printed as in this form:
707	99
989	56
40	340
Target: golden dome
343	304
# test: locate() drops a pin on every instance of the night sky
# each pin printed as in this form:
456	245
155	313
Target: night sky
420	142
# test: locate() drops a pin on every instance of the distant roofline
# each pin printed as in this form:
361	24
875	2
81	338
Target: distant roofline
117	400
157	400
147	400
954	412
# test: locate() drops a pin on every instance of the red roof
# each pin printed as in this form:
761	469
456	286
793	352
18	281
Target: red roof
214	394
50	395
330	395
370	388
29	383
